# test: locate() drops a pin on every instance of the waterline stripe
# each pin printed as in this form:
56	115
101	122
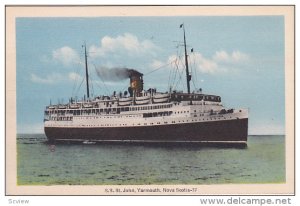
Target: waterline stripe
154	141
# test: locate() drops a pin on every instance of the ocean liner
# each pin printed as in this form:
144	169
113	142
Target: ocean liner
147	116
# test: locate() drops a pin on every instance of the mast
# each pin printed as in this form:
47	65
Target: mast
86	73
188	76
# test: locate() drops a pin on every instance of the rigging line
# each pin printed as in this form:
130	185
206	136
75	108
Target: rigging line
98	84
175	74
83	79
124	88
172	73
80	85
92	86
179	75
108	91
183	65
93	81
77	71
158	68
193	74
178	59
74	87
170	85
170	76
195	70
179	80
194	85
169	80
177	71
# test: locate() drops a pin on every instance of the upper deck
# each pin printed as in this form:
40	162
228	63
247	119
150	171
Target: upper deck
145	102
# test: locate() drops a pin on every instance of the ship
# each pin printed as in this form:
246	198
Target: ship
147	116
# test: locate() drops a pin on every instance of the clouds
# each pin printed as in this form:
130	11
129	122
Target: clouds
204	65
66	55
128	50
156	64
74	76
48	79
117	51
234	57
54	78
220	62
127	43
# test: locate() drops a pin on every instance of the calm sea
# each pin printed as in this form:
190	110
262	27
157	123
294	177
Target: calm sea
263	161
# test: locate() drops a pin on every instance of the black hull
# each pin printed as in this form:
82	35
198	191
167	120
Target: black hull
228	131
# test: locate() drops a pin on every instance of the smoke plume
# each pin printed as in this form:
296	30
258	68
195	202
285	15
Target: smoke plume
116	73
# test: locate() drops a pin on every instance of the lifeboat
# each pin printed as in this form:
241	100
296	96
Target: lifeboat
62	107
87	105
125	101
142	99
161	97
74	106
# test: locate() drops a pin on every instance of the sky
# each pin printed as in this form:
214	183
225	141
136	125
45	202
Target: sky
239	58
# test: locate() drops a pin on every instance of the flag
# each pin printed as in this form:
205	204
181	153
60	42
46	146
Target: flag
181	25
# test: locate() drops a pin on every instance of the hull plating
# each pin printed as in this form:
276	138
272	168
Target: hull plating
229	131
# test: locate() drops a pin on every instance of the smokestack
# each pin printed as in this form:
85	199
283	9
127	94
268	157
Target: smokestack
136	82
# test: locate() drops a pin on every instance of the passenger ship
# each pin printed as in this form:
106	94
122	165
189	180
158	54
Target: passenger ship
147	116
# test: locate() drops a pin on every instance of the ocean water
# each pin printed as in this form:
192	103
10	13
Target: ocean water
263	161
